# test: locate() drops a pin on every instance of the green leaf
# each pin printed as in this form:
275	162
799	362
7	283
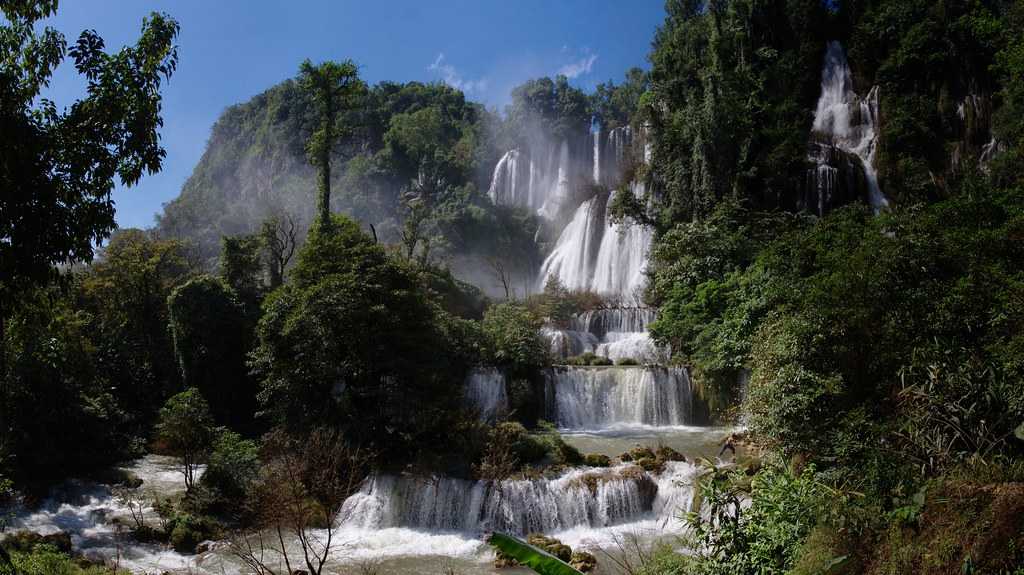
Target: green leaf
539	560
1019	432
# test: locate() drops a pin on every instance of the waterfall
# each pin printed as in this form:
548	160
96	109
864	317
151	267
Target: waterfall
504	188
622	256
633	345
848	123
594	253
538	178
572	259
596	135
587	497
486	393
594	398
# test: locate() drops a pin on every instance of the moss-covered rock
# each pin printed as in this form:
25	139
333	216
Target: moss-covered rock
597	460
186	531
637	453
551	545
27	541
580	560
583	562
666	453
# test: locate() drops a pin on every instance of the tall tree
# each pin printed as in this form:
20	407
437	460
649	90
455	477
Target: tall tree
334	88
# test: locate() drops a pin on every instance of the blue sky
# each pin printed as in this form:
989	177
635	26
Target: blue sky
231	50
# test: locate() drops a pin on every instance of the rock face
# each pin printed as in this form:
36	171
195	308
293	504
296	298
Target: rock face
837	179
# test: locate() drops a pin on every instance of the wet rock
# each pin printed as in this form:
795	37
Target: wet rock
26	541
666	453
583	562
551	545
60	540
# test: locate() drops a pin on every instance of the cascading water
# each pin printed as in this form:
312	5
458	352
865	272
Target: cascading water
616	333
600	397
845	127
486	392
572	260
538	178
593	253
622	256
623	320
585	497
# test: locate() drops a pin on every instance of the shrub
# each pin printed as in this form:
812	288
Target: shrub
233	465
766	535
597	460
626	361
514	339
186	531
47	560
560	452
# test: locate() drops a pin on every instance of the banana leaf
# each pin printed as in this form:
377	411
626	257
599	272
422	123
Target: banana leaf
539	560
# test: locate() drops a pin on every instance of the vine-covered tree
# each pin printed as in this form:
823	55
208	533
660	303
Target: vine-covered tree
333	88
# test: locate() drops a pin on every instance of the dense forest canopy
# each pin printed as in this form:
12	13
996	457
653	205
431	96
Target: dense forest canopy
832	201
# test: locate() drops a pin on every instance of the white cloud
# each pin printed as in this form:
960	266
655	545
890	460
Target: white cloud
579	67
452	77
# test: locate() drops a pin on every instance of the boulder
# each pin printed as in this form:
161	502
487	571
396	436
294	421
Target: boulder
583	562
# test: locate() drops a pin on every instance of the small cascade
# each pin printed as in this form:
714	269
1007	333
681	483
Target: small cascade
843	141
624	319
565	343
586	497
974	131
486	393
615	332
601	397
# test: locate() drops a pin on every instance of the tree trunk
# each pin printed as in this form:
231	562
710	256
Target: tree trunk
324	201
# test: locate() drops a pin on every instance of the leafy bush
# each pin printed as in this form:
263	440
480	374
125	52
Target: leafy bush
47	560
355	342
514	340
626	361
559	305
766	536
185	531
212	332
232	467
